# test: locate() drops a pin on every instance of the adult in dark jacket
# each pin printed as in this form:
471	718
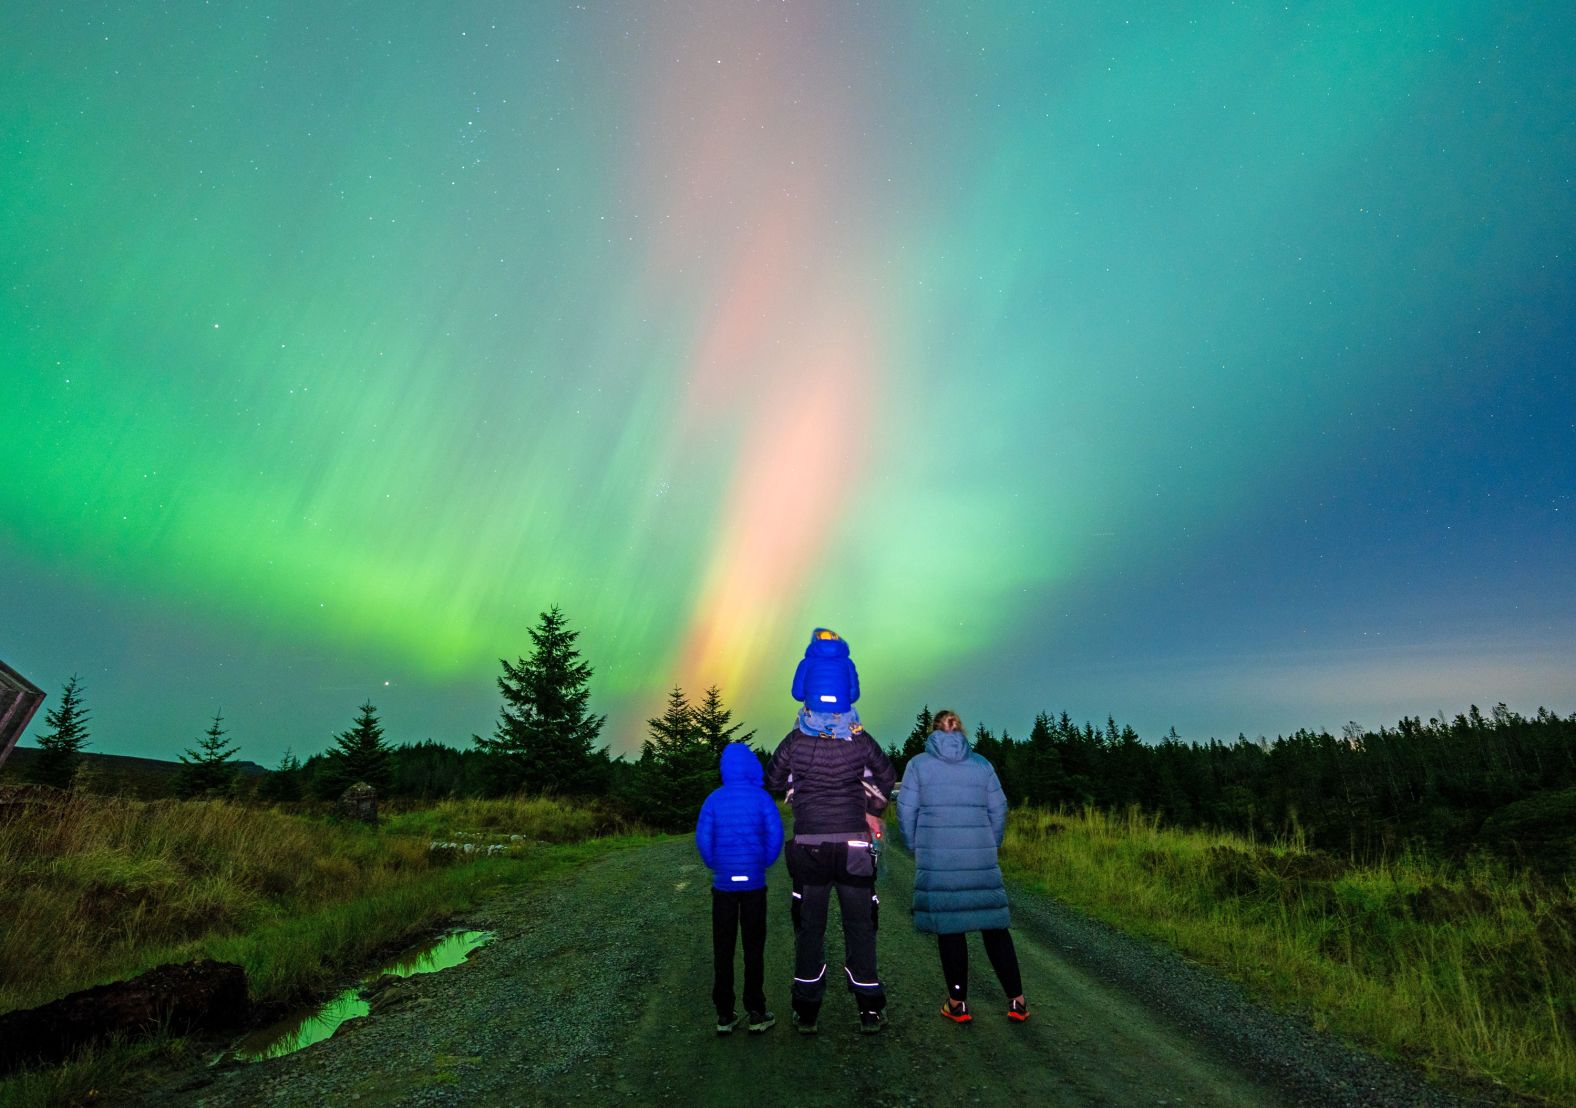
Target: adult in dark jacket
832	782
739	835
953	815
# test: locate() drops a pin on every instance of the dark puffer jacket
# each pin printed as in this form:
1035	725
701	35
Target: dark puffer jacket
739	833
953	815
826	782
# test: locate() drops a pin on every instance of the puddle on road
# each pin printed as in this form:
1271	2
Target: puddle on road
313	1025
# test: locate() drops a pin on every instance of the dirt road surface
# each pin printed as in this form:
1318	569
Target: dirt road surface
597	991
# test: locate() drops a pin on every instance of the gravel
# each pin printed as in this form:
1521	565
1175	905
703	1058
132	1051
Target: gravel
595	989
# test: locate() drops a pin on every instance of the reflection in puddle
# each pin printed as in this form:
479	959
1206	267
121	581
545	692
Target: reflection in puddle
315	1024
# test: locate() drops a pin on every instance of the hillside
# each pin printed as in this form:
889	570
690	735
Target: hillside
145	778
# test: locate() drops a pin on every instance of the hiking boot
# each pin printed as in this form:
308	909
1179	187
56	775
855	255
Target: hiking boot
957	1011
805	1025
871	1022
760	1021
725	1025
1018	1011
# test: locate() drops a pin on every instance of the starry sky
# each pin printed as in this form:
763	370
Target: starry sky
1204	365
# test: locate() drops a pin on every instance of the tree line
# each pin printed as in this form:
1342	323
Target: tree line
545	741
1502	781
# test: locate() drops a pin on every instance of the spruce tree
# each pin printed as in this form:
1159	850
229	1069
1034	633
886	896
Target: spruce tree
987	746
924	724
360	753
60	748
712	722
544	738
284	783
209	767
677	768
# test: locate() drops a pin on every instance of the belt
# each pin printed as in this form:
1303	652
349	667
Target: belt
844	837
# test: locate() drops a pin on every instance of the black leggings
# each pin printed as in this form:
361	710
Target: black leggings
998	948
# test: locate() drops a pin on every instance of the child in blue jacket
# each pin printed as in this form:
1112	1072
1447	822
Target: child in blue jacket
739	835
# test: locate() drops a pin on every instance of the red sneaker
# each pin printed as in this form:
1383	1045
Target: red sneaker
957	1011
1018	1010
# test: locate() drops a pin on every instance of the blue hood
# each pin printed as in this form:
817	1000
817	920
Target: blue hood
825	648
949	746
740	766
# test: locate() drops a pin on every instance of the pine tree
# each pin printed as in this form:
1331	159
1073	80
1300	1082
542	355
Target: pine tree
284	783
987	746
677	768
712	723
544	738
60	748
674	730
360	753
208	768
1044	778
924	724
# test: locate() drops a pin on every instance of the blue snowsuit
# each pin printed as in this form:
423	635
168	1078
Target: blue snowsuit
826	680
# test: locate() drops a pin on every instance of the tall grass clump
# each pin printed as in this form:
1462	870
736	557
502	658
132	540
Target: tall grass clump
1469	971
96	888
533	818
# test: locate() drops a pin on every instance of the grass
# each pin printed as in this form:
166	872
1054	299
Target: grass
1471	974
98	889
96	1075
534	819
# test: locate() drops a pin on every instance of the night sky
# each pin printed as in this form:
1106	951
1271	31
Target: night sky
1208	367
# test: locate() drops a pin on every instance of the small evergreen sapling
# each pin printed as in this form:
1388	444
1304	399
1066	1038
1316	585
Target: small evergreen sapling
208	769
60	748
283	785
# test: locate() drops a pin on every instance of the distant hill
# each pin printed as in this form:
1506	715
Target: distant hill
148	778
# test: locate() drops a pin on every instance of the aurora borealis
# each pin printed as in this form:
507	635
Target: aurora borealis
1208	366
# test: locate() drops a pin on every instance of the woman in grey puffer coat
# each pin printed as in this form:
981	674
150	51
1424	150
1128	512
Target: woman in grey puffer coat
953	815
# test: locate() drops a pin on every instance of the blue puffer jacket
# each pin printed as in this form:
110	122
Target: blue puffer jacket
826	680
953	815
739	833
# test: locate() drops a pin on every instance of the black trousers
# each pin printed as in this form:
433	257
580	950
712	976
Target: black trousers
998	948
817	871
732	913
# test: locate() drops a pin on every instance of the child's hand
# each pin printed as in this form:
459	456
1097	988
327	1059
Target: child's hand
876	824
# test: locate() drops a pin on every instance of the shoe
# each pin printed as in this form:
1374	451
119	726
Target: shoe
726	1026
957	1011
1018	1011
871	1022
803	1025
760	1021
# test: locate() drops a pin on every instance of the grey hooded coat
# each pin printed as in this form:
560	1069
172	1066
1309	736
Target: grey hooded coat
953	815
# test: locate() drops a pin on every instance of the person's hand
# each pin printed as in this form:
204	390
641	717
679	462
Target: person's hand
876	825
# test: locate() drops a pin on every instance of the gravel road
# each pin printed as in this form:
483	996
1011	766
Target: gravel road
597	990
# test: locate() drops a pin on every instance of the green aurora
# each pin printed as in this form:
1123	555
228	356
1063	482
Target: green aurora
1057	356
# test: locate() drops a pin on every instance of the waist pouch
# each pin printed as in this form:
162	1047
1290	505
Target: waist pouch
827	859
